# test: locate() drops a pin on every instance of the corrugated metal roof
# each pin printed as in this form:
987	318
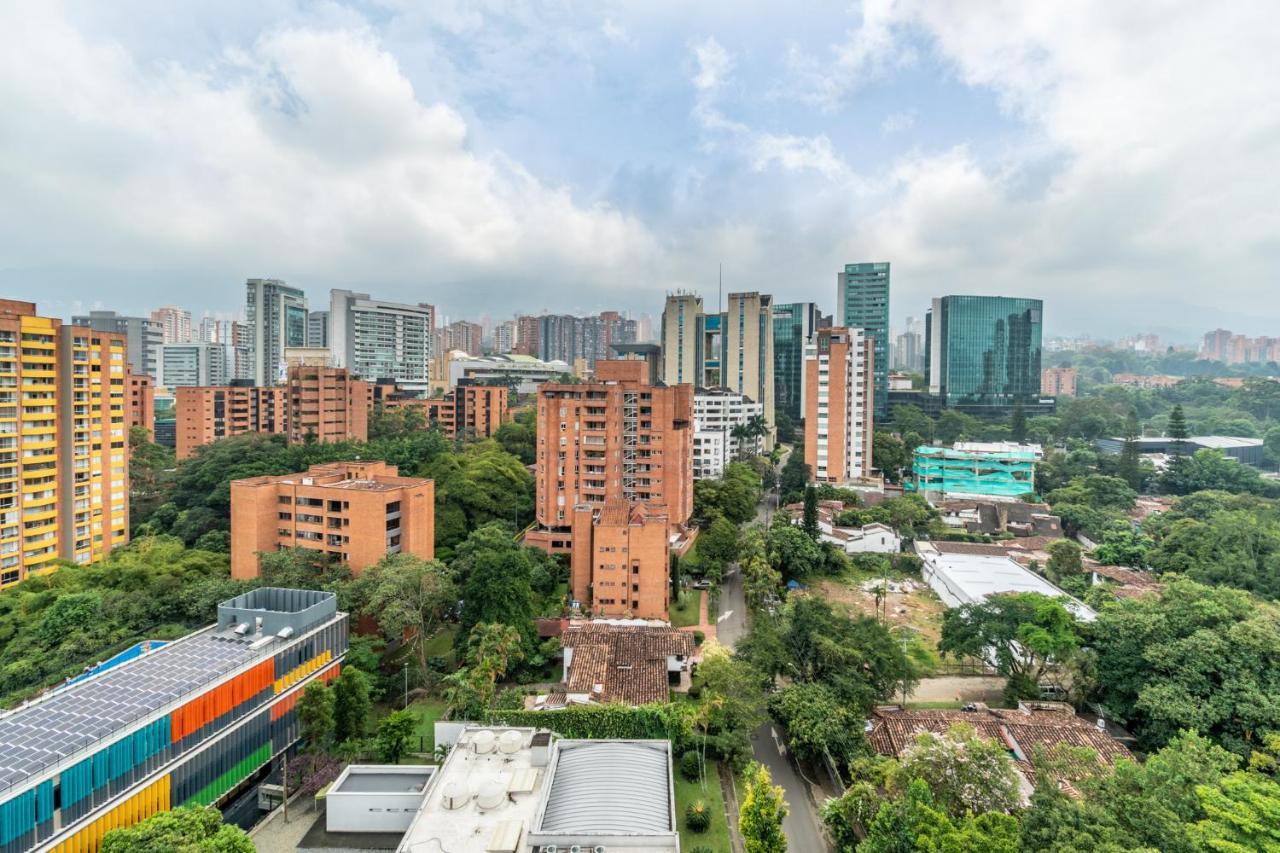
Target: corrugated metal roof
619	787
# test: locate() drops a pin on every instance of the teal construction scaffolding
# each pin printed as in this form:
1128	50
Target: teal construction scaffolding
945	472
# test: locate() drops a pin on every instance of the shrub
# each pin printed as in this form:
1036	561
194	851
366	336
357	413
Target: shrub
701	848
690	766
698	638
697	817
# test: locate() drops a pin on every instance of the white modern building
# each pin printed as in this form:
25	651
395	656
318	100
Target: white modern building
376	339
873	538
524	371
970	578
520	790
196	364
376	797
276	318
716	412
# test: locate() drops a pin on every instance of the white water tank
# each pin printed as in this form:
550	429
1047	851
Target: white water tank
510	741
482	742
491	794
454	794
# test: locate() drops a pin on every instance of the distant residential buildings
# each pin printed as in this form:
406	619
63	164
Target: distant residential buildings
196	363
356	512
463	336
144	335
616	436
839	405
1058	381
1230	348
526	341
567	338
746	362
1147	382
141	402
318	328
64	455
505	337
720	419
276	318
327	404
376	339
175	323
984	351
908	352
683	344
470	409
862	302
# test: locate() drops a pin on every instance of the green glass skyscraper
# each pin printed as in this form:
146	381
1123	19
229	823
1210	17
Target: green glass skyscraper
794	324
984	350
863	303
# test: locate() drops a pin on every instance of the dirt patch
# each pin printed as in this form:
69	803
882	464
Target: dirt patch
918	608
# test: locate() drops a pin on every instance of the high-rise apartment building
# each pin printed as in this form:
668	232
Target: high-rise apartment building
471	409
175	323
984	351
908	352
746	365
839	414
1058	381
145	337
196	364
276	318
863	303
205	414
794	325
140	408
616	436
464	336
318	328
327	405
683	331
356	512
376	339
527	336
64	468
620	564
505	337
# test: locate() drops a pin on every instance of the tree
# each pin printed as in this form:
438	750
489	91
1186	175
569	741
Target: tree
761	814
914	823
1095	490
482	484
719	542
1025	632
1128	468
856	657
497	587
1177	427
817	722
395	733
731	701
1223	547
810	523
519	437
1064	560
188	829
790	551
150	465
407	595
1018	423
1123	545
1192	657
315	714
907	418
1243	813
350	705
795	474
890	454
964	772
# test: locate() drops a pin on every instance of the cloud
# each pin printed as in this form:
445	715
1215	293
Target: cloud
898	122
866	53
714	64
307	151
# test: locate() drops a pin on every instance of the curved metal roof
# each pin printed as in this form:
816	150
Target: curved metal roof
610	787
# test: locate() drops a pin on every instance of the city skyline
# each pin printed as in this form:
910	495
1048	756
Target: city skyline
581	159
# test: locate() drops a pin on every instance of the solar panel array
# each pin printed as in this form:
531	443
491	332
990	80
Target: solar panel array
79	716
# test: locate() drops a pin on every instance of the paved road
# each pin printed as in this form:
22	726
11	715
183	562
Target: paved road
803	824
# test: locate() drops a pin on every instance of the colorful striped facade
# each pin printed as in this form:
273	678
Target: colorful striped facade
194	750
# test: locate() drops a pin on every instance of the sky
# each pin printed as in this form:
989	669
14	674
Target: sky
1119	160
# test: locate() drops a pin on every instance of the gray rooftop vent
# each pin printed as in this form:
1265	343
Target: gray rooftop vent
273	609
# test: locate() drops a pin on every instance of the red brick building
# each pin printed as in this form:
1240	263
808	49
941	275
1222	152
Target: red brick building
327	405
470	410
620	559
357	512
140	402
205	414
617	436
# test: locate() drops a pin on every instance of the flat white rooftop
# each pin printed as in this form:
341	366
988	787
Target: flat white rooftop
961	579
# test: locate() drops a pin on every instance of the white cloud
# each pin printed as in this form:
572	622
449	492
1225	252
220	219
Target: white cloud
865	54
714	65
898	122
308	151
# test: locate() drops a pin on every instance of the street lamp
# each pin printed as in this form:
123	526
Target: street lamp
406	685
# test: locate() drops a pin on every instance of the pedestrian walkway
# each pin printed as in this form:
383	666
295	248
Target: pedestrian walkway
705	625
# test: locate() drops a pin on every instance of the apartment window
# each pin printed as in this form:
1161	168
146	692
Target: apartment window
394	506
285	516
285	499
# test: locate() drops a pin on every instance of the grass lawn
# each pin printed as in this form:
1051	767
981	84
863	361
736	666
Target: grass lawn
716	838
441	644
427	712
684	610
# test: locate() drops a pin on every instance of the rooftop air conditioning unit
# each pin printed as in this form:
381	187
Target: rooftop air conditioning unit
549	848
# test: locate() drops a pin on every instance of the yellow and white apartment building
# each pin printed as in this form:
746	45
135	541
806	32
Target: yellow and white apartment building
64	470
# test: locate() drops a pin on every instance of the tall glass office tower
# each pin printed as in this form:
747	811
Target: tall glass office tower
794	324
863	303
984	350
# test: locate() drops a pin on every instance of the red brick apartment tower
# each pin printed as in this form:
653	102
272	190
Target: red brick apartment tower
616	436
357	512
620	559
205	414
327	405
141	402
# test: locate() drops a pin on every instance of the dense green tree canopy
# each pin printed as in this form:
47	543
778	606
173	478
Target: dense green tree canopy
184	830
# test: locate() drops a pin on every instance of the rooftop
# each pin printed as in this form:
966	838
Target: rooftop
963	449
78	717
622	663
589	795
966	578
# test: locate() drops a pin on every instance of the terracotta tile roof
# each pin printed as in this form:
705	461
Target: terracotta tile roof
616	512
1031	728
629	662
1131	583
